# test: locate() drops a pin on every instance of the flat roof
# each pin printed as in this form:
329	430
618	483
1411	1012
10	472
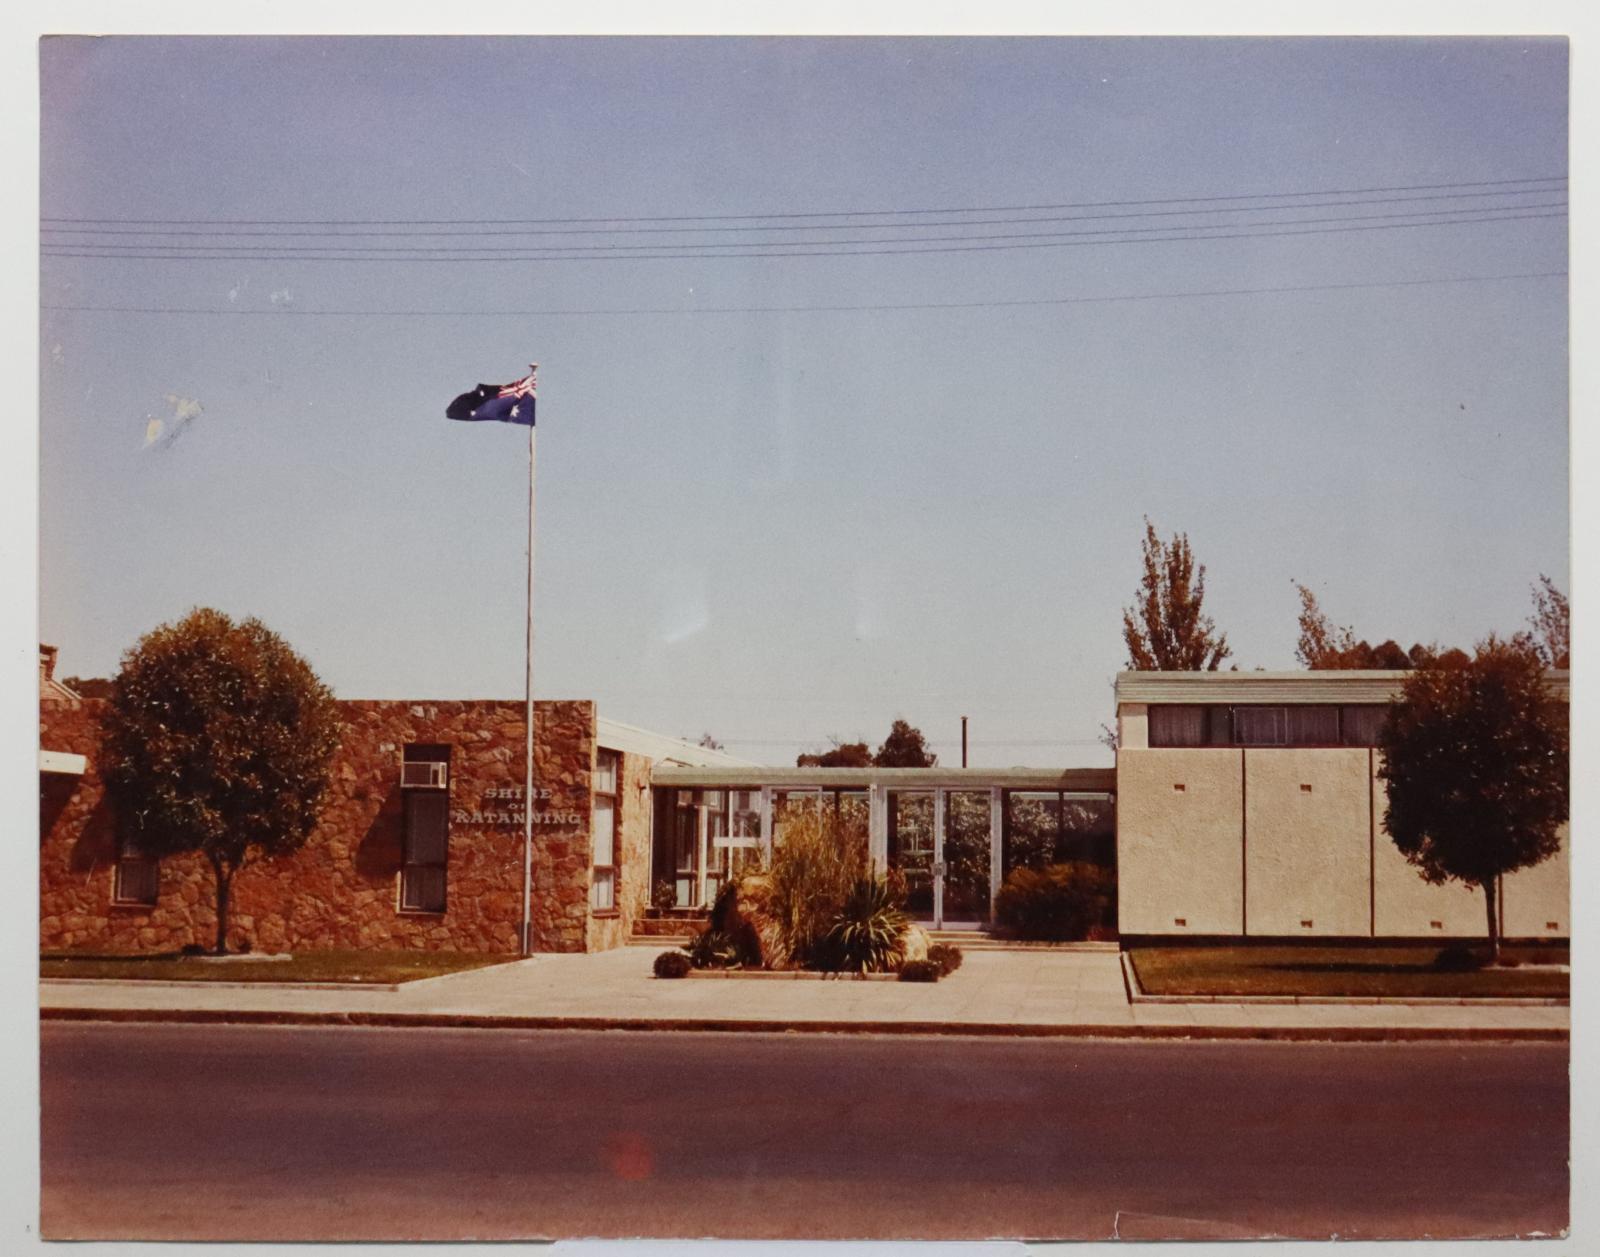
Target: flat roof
614	735
1320	686
1080	780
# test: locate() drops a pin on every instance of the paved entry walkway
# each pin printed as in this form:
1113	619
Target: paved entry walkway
994	992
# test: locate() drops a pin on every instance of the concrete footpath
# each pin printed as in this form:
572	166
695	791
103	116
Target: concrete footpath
1020	993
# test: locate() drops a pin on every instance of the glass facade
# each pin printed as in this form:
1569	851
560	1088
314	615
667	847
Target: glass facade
1054	827
706	835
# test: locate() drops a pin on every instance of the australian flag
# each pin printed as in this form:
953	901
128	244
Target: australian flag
499	403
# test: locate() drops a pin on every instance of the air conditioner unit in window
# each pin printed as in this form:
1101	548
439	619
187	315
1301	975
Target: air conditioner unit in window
425	774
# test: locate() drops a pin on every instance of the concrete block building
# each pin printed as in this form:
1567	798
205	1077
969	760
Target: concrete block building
1248	804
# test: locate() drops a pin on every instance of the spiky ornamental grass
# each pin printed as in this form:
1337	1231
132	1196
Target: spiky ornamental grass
867	935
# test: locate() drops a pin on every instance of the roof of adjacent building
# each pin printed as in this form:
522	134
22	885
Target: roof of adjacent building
660	747
1323	686
51	689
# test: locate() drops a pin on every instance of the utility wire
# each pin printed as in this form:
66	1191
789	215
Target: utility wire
468	251
215	231
875	213
290	311
104	251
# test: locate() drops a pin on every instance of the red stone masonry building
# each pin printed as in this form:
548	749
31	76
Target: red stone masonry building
434	864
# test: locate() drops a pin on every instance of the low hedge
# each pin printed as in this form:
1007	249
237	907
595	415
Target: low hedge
1060	902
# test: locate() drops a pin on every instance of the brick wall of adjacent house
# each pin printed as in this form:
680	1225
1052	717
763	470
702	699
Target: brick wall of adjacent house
341	888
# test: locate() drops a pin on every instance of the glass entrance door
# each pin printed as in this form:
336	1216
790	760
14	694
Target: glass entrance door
966	859
910	829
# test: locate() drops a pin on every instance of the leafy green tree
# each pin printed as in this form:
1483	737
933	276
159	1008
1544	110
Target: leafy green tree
217	739
839	755
1475	758
1165	629
905	747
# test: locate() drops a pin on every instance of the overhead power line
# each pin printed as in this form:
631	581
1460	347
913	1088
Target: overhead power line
502	256
467	251
348	232
811	214
291	311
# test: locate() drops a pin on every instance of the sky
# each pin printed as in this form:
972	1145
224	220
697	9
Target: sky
783	499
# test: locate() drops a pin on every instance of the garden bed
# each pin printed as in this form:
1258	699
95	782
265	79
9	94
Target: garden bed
1396	972
367	967
801	974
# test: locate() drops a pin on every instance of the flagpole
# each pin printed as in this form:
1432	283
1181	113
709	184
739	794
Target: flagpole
528	799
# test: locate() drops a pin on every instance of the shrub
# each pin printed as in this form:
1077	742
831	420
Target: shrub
1459	958
673	964
1057	902
713	949
947	956
866	934
920	971
663	898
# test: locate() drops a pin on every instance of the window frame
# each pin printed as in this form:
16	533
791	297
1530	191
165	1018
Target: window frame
602	874
128	854
411	795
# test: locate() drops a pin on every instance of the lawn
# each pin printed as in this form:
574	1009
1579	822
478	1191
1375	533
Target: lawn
316	966
1353	971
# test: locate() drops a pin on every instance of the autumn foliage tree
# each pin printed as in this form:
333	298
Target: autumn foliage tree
1475	758
1551	621
1166	629
217	738
1324	645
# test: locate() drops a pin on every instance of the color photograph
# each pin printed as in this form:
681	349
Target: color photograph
768	637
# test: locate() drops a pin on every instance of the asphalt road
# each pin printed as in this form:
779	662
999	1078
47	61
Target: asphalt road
191	1132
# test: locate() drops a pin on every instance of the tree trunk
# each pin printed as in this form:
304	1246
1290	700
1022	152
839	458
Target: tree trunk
1494	920
224	888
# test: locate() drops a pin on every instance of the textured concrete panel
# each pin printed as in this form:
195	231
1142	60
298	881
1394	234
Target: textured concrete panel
1133	726
1536	897
1178	850
1407	906
1307	838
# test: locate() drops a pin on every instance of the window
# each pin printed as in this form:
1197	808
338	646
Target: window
1257	724
1261	726
1047	827
603	895
1177	725
138	876
1312	726
425	851
1360	724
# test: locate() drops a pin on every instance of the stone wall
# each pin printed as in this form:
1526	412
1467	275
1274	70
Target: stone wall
341	889
633	849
